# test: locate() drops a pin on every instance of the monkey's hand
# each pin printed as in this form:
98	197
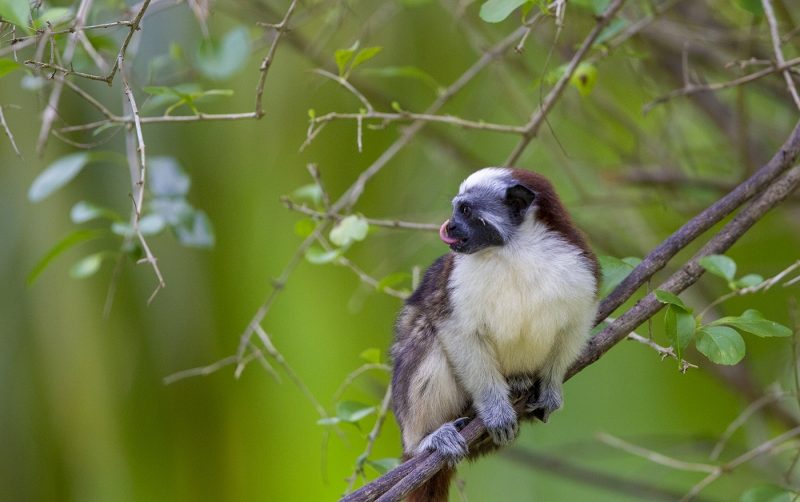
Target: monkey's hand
500	419
447	441
548	401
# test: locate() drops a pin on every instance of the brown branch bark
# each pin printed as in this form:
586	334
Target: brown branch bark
773	183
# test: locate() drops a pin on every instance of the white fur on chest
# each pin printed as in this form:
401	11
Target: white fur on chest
522	297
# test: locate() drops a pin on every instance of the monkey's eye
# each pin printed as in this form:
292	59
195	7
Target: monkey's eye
465	210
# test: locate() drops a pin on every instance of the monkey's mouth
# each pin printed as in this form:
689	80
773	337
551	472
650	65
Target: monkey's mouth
450	241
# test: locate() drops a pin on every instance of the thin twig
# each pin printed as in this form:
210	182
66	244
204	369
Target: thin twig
134	26
320	215
663	351
383	411
654	456
743	417
769	13
7	130
266	63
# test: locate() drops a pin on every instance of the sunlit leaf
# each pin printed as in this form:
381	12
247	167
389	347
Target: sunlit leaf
720	344
719	265
351	228
494	11
583	78
371	355
615	270
197	232
87	266
7	65
668	298
220	60
364	55
353	411
64	244
319	256
57	174
16	12
751	321
343	57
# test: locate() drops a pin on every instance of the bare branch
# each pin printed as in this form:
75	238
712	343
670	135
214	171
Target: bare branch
7	130
266	63
769	13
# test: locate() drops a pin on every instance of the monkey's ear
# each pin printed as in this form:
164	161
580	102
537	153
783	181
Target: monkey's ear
519	198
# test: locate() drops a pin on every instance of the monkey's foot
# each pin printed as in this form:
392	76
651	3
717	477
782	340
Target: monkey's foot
447	441
519	385
501	422
548	401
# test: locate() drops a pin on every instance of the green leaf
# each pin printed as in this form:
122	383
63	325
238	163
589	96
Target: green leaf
720	344
668	298
166	178
365	55
353	411
16	11
372	355
384	465
54	16
613	28
615	271
494	11
197	232
310	193
754	7
304	227
343	57
768	493
583	78
719	265
679	326
351	228
64	244
404	71
175	210
748	281
57	174
318	256
751	321
328	421
87	266
392	279
220	60
85	211
7	65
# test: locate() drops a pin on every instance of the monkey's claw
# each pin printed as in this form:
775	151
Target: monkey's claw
549	400
447	441
460	423
501	423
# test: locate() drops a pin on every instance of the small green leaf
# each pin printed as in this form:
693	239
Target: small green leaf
328	421
166	178
384	465
365	55
353	411
754	7
392	280
583	78
7	65
719	265
768	493
720	344
310	193
319	256
54	16
494	11
668	298
751	321
15	11
220	60
613	28
351	228
304	227
343	57
197	232
85	211
87	266
57	174
372	355
679	326
615	271
748	281
64	244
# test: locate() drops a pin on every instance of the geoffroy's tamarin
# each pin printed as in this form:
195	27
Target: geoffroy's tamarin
508	310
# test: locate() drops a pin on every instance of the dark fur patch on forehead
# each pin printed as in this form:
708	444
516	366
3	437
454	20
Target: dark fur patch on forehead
551	212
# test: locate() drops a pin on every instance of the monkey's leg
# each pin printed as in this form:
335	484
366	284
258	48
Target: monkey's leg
447	441
474	362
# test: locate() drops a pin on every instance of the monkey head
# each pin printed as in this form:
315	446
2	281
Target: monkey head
493	204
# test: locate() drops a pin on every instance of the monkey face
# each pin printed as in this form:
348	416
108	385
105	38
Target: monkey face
487	211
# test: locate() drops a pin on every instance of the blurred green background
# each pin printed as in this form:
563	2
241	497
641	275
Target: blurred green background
84	412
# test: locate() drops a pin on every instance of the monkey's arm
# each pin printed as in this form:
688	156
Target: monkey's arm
476	367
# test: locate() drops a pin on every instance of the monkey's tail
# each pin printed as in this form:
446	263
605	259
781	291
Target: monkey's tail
435	489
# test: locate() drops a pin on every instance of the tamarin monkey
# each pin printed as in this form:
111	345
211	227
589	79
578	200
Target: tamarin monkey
508	310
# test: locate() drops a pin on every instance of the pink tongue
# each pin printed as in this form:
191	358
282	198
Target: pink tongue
443	234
